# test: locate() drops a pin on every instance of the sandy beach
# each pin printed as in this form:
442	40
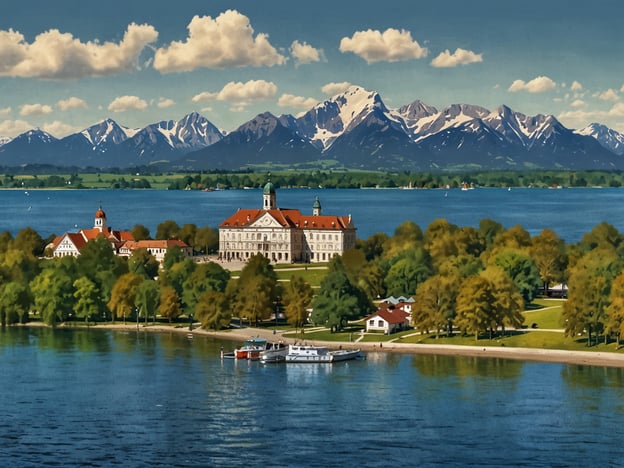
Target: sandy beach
588	358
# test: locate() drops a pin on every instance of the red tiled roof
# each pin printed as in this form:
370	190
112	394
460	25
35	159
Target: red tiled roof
396	316
155	244
75	237
287	218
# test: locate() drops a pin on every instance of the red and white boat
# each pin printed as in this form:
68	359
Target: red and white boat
251	349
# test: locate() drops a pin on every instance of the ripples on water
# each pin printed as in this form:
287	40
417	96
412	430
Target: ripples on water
99	398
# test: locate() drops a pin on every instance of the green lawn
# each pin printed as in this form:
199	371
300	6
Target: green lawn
546	313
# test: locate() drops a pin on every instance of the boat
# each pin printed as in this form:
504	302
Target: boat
305	353
251	349
275	353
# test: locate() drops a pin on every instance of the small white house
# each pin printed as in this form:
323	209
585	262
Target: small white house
387	321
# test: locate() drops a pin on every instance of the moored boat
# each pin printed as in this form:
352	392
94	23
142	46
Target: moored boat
251	349
305	353
275	353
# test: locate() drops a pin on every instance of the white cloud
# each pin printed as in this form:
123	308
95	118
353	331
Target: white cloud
305	53
163	103
578	103
335	88
35	109
608	95
576	86
579	118
459	57
225	41
5	112
241	93
71	103
13	128
390	46
57	55
540	84
59	129
296	102
126	103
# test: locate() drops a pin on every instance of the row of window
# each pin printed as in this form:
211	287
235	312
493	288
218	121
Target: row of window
265	236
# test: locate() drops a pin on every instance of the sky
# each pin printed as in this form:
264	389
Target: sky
68	64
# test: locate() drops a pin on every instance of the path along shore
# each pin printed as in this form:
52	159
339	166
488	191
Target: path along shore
588	358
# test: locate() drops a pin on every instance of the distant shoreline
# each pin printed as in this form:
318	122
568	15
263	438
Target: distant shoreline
587	358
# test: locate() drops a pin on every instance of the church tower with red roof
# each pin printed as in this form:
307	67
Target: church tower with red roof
100	220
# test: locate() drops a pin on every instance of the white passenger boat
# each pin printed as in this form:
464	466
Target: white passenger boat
276	353
304	353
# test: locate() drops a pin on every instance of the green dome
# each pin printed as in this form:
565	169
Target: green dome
317	204
269	189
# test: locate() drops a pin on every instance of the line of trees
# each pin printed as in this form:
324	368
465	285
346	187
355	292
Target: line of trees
477	280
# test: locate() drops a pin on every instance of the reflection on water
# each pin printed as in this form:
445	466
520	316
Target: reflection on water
96	397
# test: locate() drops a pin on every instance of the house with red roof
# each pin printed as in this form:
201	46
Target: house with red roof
284	235
71	243
158	248
122	242
388	320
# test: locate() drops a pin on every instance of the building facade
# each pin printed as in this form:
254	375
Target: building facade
122	242
71	243
284	235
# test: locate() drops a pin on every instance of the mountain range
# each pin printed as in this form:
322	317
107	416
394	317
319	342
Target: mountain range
354	129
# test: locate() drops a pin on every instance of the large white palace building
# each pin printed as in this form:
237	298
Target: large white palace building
284	235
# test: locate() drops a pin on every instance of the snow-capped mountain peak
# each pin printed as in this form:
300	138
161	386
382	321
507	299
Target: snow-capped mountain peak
107	132
607	137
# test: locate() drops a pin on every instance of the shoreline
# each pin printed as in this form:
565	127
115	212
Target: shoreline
587	358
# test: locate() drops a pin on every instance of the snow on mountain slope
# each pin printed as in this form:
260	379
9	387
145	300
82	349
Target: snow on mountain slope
106	132
607	137
4	140
342	113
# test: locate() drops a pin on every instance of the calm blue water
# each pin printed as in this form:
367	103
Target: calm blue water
570	212
101	398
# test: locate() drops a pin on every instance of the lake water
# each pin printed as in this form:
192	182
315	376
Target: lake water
103	398
570	212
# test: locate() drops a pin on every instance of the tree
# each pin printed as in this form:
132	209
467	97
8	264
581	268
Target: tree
123	296
147	298
338	301
88	304
407	270
297	296
522	270
255	292
15	301
205	277
187	234
140	232
434	304
29	241
53	294
489	229
213	310
167	230
206	240
589	288
169	306
474	306
373	247
143	263
615	310
174	255
549	253
507	303
407	236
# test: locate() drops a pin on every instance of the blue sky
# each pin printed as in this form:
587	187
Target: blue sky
67	64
